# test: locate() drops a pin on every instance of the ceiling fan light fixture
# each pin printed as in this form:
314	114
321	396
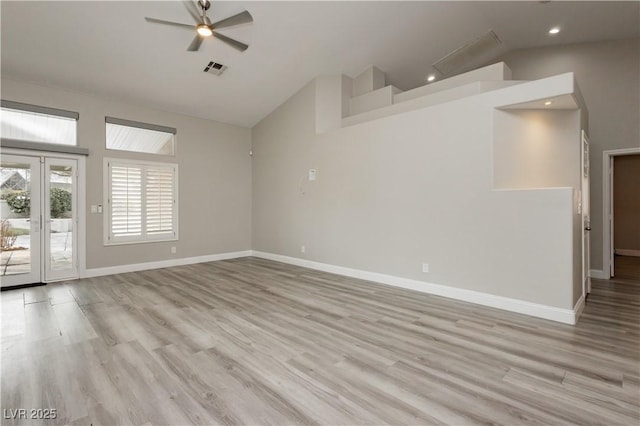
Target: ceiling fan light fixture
204	30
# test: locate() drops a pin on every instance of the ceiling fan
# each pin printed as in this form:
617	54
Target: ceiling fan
205	28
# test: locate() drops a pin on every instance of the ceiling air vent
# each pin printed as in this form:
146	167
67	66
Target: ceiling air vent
468	53
215	68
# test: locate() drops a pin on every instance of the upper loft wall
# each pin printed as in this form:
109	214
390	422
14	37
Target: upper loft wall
608	73
409	188
373	101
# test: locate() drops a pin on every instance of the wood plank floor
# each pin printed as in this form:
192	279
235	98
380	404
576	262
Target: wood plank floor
250	341
627	268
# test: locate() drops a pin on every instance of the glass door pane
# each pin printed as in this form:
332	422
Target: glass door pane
60	219
19	220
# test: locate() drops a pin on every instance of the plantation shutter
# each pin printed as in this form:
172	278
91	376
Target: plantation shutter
160	200
142	201
126	201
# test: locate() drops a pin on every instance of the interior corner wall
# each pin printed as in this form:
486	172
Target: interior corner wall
608	74
626	202
214	176
403	190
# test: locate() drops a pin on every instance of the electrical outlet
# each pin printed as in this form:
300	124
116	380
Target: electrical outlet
425	267
303	249
173	250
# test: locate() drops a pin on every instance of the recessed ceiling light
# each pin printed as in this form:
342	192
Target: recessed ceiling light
548	103
431	78
554	30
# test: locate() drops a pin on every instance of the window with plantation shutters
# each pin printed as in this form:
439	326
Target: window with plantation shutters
141	201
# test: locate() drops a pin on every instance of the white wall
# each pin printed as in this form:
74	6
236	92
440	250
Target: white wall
214	181
415	187
608	73
536	148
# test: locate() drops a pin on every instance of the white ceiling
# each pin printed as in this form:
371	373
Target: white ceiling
106	47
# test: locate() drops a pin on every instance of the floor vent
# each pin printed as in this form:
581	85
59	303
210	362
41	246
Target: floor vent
215	68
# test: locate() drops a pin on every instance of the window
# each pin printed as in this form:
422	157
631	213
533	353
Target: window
142	201
125	135
32	123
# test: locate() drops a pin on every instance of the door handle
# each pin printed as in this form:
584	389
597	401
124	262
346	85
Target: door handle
588	228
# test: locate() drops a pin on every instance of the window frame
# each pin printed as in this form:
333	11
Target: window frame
47	112
108	240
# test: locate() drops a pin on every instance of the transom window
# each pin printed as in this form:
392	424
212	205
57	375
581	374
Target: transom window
126	135
32	123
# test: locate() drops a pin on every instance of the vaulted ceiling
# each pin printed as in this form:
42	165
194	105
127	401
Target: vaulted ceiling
107	48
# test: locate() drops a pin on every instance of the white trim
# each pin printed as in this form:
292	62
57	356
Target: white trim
627	252
607	184
567	316
599	274
135	267
578	308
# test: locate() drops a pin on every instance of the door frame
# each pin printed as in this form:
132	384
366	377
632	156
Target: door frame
585	211
35	273
607	209
50	274
81	201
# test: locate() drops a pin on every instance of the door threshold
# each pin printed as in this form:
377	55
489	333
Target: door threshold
19	286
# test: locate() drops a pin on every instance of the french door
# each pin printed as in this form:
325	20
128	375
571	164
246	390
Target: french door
39	219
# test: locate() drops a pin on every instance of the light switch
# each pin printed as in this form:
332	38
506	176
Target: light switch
99	208
94	208
313	173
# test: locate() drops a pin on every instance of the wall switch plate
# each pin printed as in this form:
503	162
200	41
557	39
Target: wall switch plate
303	249
173	250
313	174
94	208
99	208
425	267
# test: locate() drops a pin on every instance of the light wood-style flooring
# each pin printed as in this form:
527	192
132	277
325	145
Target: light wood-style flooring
255	342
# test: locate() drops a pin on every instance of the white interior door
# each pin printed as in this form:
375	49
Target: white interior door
586	216
20	258
60	219
612	258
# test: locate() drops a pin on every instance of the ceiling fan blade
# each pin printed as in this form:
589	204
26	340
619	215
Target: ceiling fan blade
240	18
234	43
192	9
175	24
195	44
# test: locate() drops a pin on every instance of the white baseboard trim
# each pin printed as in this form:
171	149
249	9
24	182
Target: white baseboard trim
120	269
627	252
577	310
599	274
567	316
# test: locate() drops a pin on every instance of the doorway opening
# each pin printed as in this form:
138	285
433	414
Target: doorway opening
621	228
40	218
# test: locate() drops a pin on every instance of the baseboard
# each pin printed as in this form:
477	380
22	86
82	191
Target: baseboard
577	310
627	252
567	316
599	274
135	267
